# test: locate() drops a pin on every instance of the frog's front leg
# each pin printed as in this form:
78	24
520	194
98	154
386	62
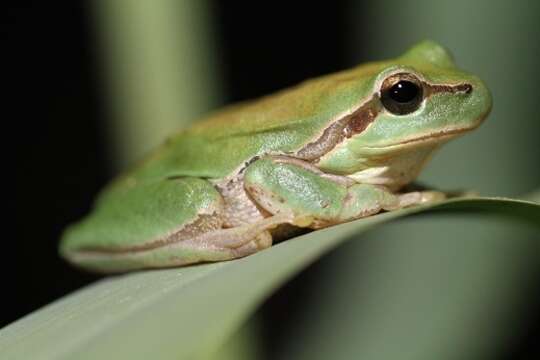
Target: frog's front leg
314	199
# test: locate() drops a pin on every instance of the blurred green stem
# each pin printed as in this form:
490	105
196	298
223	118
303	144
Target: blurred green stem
158	59
159	70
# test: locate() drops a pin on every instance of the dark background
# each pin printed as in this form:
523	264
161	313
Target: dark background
60	115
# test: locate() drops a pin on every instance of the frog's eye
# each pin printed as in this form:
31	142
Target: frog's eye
401	93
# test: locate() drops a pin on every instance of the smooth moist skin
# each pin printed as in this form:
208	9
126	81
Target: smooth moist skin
327	151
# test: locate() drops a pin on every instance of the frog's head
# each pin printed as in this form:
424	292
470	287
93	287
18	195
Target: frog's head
414	103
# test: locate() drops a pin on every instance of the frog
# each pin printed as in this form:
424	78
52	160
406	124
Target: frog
329	150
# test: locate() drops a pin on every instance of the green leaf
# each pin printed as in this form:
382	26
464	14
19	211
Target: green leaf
188	312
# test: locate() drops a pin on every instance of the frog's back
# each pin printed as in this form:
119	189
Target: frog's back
280	123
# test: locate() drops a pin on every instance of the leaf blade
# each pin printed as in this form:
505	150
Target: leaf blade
187	312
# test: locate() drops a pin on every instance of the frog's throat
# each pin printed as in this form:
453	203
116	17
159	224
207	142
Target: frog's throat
354	123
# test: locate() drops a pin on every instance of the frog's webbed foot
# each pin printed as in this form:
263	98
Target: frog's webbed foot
417	198
448	194
241	240
260	242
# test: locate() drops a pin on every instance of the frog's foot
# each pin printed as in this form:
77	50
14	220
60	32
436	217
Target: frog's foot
242	240
261	242
446	194
417	198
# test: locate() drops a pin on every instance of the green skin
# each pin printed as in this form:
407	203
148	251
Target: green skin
321	153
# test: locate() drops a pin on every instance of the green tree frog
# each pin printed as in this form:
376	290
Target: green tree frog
329	150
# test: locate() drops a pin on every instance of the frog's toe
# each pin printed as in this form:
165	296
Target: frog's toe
261	242
428	197
419	197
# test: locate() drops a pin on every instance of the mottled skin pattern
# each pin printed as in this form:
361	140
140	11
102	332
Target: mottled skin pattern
326	151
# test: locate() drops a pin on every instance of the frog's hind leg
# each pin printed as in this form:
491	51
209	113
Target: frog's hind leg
193	247
166	223
162	223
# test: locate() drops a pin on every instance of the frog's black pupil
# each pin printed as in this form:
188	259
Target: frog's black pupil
402	97
404	91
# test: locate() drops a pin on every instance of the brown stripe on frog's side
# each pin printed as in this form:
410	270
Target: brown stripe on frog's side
202	224
343	128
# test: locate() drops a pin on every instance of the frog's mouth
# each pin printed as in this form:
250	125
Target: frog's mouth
434	137
431	139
